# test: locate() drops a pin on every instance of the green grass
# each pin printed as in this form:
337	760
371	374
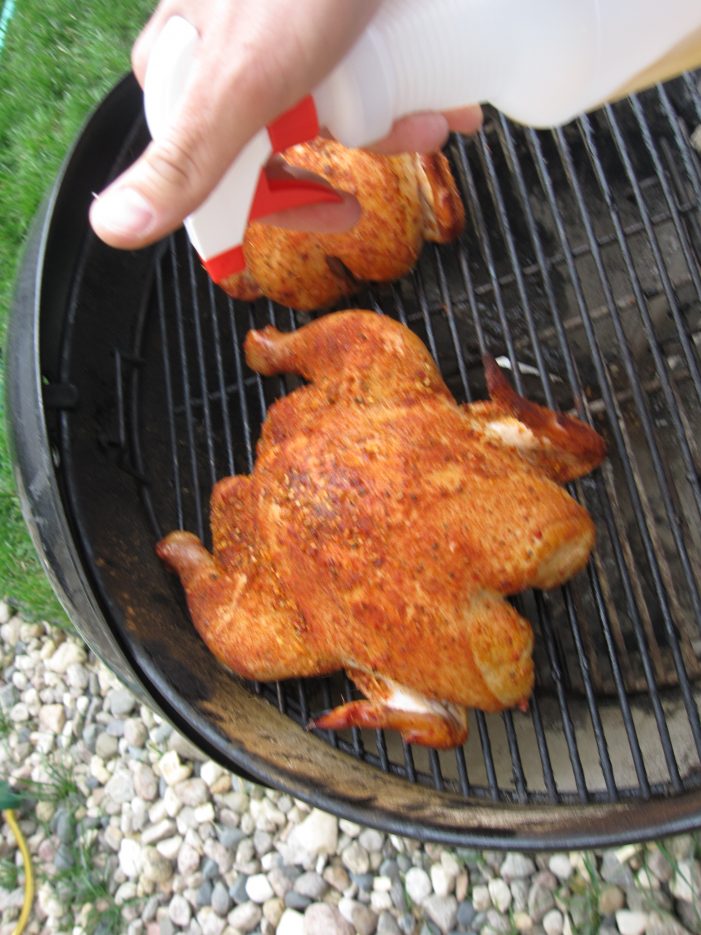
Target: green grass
59	60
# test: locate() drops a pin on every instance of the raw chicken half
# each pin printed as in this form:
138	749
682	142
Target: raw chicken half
382	528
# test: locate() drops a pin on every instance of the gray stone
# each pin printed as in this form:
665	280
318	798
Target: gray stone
311	884
64	858
613	871
204	894
210	869
685	885
106	746
356	858
442	910
466	914
282	879
237	890
221	900
230	837
295	900
120	786
371	840
389	868
516	867
398	896
323	919
364	881
135	732
63	825
262	841
363	919
540	901
387	925
121	702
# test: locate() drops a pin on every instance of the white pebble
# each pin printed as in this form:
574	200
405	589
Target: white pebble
553	922
316	834
631	923
440	880
500	894
204	813
418	885
19	713
481	899
172	770
258	889
131	857
179	911
66	655
52	717
170	847
561	866
98	770
245	917
291	923
155	833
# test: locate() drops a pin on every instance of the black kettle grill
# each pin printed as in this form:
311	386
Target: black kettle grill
580	270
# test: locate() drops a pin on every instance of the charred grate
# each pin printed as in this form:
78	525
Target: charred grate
580	270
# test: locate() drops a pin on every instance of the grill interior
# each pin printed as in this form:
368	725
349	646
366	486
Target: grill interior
580	271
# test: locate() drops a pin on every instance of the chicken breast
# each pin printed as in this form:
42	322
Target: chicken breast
404	200
382	528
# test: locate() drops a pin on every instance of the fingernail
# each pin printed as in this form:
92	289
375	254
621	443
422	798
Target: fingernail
122	211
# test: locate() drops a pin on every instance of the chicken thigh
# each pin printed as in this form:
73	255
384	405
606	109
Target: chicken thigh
404	200
382	528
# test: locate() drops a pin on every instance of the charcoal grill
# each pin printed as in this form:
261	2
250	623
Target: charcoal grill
129	396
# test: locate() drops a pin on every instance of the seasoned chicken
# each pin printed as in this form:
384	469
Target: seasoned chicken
383	526
404	200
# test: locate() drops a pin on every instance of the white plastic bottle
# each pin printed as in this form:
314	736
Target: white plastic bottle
541	62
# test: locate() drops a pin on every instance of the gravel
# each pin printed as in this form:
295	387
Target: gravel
178	844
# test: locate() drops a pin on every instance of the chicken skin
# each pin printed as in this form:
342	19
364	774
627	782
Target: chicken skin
382	528
404	200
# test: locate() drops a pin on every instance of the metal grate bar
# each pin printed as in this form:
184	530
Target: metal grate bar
622	566
581	403
181	348
650	551
558	678
221	382
672	399
201	369
169	398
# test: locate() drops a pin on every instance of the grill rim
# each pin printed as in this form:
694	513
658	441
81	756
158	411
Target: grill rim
462	821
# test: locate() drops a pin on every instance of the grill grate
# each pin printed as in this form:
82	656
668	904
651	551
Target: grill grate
580	270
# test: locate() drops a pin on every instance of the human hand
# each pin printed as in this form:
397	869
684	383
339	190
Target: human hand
256	58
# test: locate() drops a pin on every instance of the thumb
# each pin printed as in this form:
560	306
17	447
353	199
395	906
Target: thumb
170	179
